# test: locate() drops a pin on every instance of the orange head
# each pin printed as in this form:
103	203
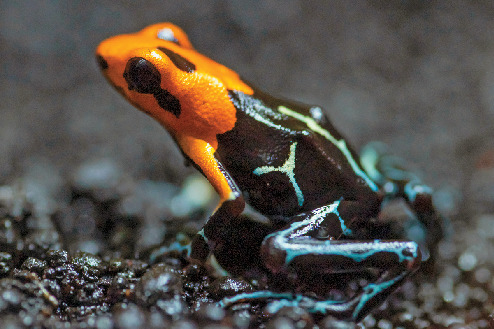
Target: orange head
159	71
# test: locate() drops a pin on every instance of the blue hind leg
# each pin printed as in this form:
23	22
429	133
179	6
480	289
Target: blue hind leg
292	250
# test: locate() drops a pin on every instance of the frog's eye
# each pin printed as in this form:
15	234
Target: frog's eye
171	33
167	35
142	76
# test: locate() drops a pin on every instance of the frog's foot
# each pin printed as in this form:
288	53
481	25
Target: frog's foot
338	309
180	247
391	173
354	309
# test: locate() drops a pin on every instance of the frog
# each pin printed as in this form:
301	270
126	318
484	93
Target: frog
284	159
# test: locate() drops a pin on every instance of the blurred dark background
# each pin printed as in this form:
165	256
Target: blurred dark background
418	75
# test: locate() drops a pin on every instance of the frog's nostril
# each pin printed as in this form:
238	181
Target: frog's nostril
103	64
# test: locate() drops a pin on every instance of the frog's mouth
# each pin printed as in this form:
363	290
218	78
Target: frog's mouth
102	63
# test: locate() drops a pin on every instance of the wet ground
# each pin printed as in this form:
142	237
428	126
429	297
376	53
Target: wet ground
89	185
46	281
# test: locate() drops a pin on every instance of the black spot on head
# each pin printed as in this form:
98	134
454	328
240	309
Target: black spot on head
102	63
179	61
168	102
142	76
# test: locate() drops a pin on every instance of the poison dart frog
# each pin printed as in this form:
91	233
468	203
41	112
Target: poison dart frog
285	159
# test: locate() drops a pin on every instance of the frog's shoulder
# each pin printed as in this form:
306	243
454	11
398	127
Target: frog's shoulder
263	106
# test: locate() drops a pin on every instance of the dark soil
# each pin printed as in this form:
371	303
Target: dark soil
90	189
